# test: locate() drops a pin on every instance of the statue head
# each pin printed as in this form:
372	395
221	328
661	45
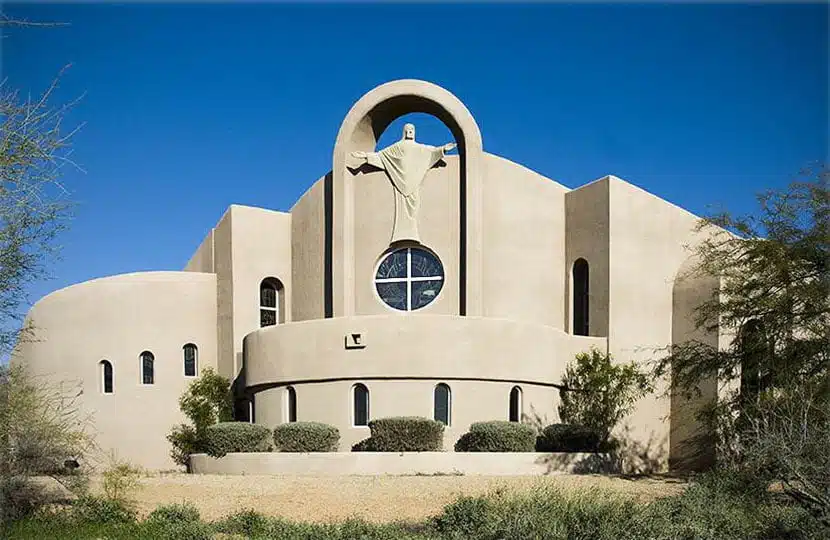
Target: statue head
409	132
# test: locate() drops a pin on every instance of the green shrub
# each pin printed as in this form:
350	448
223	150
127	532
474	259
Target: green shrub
226	437
366	445
175	513
306	437
569	438
406	434
249	523
91	509
497	436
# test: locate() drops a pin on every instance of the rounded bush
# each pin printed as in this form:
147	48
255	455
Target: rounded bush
226	437
406	434
175	513
497	436
568	438
363	446
306	437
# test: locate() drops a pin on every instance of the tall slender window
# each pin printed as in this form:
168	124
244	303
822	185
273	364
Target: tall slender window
270	302
579	283
147	373
360	395
191	358
442	401
291	397
753	351
516	404
106	376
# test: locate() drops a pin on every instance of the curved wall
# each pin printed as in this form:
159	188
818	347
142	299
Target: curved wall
471	401
116	318
414	345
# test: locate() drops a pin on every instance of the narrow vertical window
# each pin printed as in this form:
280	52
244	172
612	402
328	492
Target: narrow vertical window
191	358
442	400
516	404
271	302
147	374
106	376
579	283
754	349
360	396
291	396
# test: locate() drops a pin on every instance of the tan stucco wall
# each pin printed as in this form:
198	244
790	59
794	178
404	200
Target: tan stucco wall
308	243
524	242
471	401
202	259
587	237
648	246
117	318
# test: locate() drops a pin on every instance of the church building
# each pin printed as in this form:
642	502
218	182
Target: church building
432	280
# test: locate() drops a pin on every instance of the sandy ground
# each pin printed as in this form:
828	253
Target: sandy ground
377	499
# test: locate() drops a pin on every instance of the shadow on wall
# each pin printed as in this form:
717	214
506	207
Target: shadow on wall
630	457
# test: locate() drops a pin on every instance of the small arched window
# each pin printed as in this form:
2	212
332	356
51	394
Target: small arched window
442	404
191	359
291	405
579	281
271	302
516	404
106	376
360	396
147	373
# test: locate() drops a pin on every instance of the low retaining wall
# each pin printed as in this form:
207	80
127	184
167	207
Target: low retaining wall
398	464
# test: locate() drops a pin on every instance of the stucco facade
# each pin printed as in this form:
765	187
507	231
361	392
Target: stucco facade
507	239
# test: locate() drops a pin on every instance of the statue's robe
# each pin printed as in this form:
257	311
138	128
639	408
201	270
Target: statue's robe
406	163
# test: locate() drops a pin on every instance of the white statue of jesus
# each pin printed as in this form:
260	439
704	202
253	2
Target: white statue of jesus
406	164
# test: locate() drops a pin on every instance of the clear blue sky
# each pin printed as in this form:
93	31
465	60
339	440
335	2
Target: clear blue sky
191	108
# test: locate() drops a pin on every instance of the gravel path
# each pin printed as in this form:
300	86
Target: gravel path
377	499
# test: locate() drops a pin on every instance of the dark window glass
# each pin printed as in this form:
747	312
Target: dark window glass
442	404
190	352
393	293
292	405
754	349
267	317
515	404
424	292
425	264
267	295
361	405
393	266
147	367
106	368
580	293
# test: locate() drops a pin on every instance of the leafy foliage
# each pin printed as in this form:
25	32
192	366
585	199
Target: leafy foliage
40	428
226	437
306	437
208	400
93	509
570	438
404	434
175	513
497	436
597	393
773	298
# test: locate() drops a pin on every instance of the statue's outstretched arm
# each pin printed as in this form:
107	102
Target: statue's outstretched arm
372	158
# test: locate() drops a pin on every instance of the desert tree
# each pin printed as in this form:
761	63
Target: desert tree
773	299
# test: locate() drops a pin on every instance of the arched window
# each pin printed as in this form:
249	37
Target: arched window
191	359
291	398
516	404
106	376
754	347
442	404
147	373
579	283
270	302
360	395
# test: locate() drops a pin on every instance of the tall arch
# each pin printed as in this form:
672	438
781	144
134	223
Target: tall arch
581	298
360	130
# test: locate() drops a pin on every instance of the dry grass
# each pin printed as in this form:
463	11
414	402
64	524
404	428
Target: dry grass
377	499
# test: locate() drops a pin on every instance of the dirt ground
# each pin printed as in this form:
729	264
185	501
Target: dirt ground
377	499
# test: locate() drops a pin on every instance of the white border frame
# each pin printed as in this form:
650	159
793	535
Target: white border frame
449	402
195	363
101	376
521	403
141	368
368	405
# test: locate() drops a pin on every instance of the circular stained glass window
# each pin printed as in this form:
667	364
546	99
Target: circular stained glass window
409	278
